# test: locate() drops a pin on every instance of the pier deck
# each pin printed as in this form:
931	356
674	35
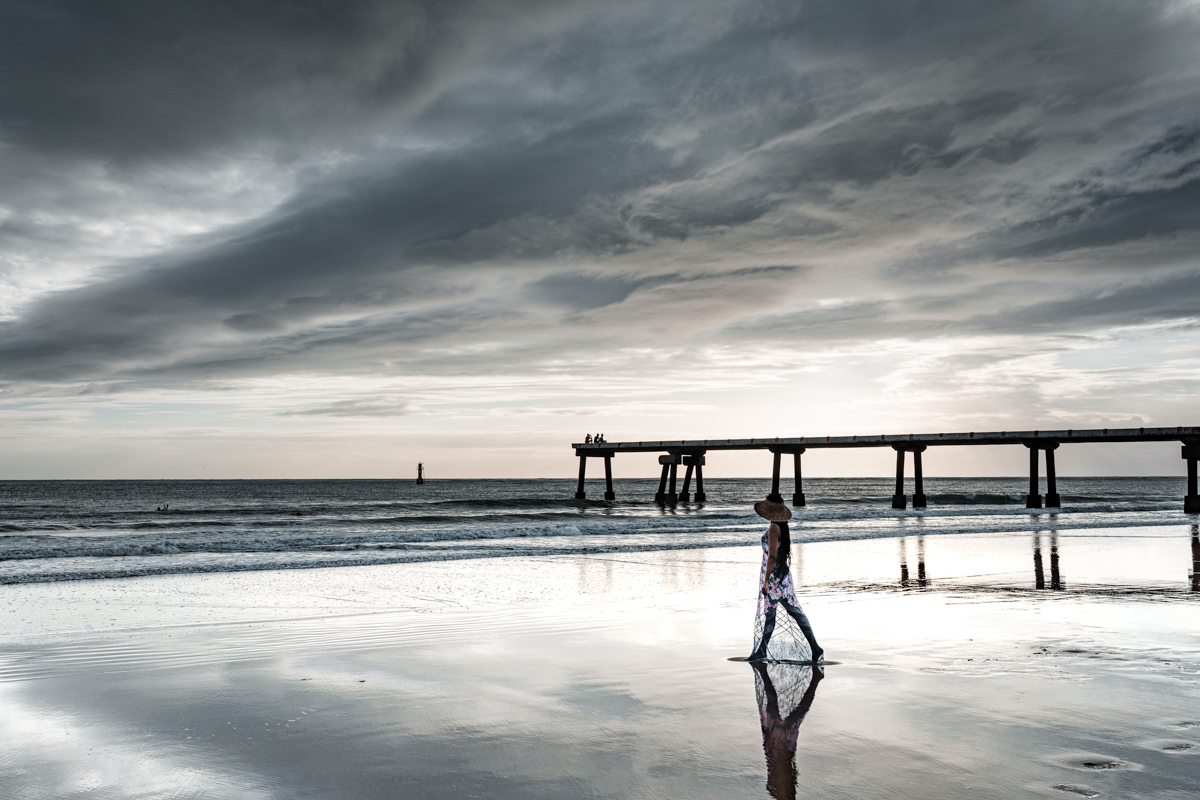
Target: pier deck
691	452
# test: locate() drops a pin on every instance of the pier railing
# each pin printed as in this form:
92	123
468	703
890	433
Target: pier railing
691	454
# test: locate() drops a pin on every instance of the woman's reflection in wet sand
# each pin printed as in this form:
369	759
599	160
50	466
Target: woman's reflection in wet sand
785	693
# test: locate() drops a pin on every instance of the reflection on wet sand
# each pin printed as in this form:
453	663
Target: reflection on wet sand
1196	558
922	579
785	693
1039	573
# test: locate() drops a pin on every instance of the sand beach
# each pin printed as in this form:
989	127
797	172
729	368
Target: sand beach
608	676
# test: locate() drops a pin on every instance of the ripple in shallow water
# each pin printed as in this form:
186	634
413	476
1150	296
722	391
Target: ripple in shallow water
1072	788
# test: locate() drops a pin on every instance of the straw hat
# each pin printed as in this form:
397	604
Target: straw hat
773	509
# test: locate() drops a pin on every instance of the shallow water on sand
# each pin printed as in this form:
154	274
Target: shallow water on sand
606	676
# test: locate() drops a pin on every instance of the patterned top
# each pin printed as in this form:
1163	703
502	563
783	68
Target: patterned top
776	589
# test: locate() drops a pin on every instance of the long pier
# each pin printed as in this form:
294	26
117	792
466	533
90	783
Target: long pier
690	453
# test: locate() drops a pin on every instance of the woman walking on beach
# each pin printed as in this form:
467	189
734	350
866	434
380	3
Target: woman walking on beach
776	589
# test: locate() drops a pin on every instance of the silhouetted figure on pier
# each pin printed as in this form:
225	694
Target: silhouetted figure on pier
776	588
785	694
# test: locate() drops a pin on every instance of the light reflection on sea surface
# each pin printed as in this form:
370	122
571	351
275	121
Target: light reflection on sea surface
606	676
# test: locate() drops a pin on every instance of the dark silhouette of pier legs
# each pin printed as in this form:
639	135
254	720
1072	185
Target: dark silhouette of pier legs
1191	503
695	464
1034	498
798	495
775	457
579	493
608	490
672	495
919	480
661	495
776	462
899	500
1052	500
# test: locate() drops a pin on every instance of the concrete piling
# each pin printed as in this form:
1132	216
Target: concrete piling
899	499
1191	502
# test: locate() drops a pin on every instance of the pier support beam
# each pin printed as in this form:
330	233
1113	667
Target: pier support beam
579	493
899	500
798	495
1034	498
685	495
1052	499
775	458
694	463
1191	503
778	453
918	480
670	464
608	490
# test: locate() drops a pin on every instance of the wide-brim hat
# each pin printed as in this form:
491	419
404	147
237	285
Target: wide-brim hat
773	509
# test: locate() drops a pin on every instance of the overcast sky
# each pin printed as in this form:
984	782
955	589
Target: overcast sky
331	239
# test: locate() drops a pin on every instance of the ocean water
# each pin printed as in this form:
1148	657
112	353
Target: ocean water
69	530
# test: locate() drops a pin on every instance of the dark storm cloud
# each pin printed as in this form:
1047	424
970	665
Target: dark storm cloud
469	173
136	79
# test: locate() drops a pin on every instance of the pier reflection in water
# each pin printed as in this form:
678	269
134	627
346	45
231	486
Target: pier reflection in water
1039	574
785	693
1124	560
1196	558
922	578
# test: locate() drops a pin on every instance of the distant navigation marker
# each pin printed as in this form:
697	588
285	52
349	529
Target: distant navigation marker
420	472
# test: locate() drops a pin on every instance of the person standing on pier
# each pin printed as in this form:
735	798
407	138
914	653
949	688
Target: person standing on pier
777	589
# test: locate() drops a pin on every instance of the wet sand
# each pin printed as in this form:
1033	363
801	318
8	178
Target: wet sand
607	676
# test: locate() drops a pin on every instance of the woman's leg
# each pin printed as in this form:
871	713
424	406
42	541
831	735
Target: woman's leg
760	652
802	622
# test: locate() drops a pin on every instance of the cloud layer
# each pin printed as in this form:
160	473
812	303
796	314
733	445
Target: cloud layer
403	211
